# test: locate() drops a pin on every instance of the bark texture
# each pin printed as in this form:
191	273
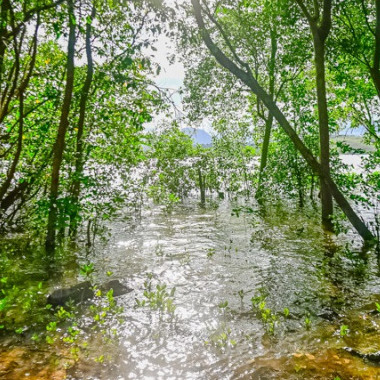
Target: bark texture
59	145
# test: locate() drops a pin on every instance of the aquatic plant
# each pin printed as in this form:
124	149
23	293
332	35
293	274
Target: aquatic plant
157	297
87	269
221	338
343	331
307	321
211	252
269	318
21	306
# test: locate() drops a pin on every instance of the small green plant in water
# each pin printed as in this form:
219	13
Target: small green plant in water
376	303
221	338
343	331
211	252
241	294
256	300
307	321
269	318
158	297
87	269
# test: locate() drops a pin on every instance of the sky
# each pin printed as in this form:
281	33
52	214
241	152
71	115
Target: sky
171	75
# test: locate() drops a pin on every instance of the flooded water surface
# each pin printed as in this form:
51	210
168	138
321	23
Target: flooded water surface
243	293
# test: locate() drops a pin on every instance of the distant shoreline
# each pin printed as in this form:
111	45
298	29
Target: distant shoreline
356	142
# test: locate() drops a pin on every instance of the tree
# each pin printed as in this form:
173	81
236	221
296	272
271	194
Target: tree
23	98
320	26
59	145
242	71
358	59
266	49
79	149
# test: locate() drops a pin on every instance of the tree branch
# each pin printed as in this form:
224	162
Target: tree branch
325	26
352	29
251	82
30	14
306	13
365	12
376	55
225	37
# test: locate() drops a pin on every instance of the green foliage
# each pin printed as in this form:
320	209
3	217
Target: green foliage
269	318
343	331
158	297
221	338
211	252
307	321
118	105
169	156
24	312
87	269
21	305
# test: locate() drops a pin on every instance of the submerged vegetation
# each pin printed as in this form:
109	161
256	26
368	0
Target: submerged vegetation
262	248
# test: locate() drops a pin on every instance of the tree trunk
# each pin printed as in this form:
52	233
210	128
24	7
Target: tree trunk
342	202
3	30
21	90
264	154
269	120
76	185
202	187
301	197
324	135
246	77
12	170
374	70
60	140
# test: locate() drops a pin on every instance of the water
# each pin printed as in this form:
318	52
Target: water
209	256
354	161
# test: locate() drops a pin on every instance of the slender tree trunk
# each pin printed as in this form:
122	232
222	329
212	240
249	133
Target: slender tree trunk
301	200
324	135
375	75
202	188
264	154
269	120
375	69
12	170
311	196
60	140
245	75
79	159
21	90
342	202
20	189
3	30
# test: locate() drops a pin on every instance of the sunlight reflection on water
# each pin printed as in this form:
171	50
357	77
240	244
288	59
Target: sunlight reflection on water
209	256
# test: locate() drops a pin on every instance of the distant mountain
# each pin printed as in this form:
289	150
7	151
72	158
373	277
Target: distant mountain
199	136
